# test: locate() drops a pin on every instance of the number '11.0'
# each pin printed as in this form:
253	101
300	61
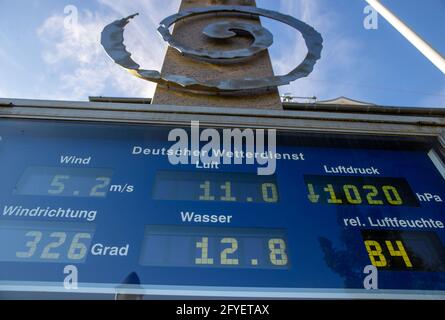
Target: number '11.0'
269	192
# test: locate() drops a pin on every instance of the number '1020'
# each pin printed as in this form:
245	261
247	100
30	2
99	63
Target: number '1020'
356	195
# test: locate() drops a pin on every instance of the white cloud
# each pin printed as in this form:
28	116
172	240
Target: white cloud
338	52
83	68
79	61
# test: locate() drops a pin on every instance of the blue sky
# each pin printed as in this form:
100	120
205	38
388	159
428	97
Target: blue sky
41	58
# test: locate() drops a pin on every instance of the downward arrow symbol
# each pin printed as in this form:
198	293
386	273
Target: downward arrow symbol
312	196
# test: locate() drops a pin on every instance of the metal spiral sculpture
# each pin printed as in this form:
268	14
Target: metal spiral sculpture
113	42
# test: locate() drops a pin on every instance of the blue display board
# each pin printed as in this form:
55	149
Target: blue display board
105	199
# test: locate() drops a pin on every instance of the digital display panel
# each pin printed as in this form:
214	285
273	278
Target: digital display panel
404	250
45	242
106	199
64	182
210	186
214	247
353	190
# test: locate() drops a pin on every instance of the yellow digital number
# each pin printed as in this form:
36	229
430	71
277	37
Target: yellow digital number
333	197
278	255
357	198
227	187
371	195
392	195
206	187
375	253
400	252
234	246
204	246
270	193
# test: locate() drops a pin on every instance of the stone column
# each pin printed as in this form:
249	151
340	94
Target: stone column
190	33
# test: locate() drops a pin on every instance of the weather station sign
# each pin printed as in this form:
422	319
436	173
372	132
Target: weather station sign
114	203
107	199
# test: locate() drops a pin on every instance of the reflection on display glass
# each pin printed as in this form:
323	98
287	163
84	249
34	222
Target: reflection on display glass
404	250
